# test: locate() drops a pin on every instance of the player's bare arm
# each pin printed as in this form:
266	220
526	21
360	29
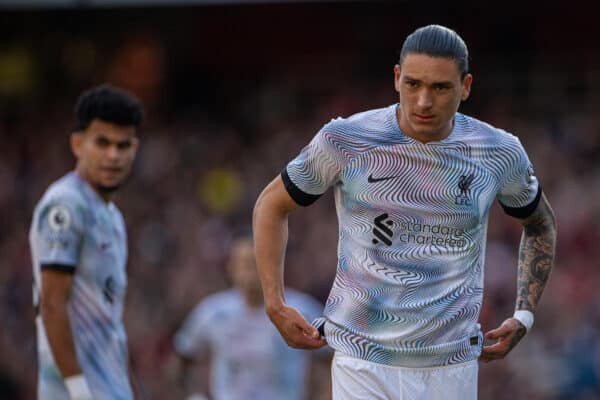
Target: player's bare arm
270	226
536	255
56	289
536	258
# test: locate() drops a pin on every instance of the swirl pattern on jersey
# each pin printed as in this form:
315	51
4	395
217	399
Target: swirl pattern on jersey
412	226
94	244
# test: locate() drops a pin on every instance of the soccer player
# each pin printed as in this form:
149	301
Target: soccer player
413	186
79	252
249	359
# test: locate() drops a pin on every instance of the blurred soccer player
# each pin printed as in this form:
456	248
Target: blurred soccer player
413	185
79	251
249	359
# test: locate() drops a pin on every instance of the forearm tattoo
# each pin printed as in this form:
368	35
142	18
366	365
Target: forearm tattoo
521	331
536	256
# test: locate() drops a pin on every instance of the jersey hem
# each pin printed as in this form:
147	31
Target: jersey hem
358	346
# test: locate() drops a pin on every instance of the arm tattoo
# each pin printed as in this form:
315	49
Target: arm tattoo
536	255
521	331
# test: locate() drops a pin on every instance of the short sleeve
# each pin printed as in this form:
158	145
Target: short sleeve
520	192
315	169
59	232
192	337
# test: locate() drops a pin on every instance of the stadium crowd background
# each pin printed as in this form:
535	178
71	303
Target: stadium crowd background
232	93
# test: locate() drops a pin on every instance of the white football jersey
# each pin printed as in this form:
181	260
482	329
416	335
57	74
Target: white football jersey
250	360
412	230
75	230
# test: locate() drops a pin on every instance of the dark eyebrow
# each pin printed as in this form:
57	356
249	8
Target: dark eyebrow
126	142
443	83
410	78
439	84
102	137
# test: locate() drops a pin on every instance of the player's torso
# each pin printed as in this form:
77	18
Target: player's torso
103	258
244	338
99	282
100	275
434	195
412	222
251	361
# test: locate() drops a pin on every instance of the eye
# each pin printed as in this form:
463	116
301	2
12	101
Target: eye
440	87
411	83
102	142
124	145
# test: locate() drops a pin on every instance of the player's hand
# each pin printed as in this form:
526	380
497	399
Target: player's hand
506	336
294	329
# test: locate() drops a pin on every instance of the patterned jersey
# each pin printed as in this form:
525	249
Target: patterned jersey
412	227
74	229
250	360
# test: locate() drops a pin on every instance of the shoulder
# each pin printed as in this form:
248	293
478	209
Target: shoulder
216	303
487	132
361	131
360	123
118	215
62	196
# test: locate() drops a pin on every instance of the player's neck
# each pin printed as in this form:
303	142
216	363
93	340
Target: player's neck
105	195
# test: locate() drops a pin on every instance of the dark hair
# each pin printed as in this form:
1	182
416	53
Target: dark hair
437	41
109	104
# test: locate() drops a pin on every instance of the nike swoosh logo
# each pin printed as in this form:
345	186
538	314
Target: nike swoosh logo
370	179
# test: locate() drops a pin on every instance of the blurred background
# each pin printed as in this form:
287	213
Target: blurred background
233	90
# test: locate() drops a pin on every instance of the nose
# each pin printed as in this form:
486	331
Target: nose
112	153
424	99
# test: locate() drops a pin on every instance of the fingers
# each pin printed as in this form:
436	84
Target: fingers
307	328
296	331
300	337
497	333
304	336
495	351
506	338
302	341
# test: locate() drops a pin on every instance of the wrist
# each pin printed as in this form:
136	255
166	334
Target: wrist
525	317
273	306
77	387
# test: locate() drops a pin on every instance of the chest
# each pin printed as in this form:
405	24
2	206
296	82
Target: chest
427	180
243	333
104	252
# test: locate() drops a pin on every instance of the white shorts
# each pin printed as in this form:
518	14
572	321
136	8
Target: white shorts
356	379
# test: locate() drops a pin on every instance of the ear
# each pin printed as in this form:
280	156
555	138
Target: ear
466	87
135	144
397	72
76	143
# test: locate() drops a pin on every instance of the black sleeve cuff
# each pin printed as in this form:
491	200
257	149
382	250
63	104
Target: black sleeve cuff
526	211
59	267
300	197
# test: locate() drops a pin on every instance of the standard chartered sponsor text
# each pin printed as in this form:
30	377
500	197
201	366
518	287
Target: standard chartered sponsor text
438	235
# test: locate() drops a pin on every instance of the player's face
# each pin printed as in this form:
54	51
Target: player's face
431	90
242	267
105	153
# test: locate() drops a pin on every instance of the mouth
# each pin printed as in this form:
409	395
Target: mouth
111	171
423	118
